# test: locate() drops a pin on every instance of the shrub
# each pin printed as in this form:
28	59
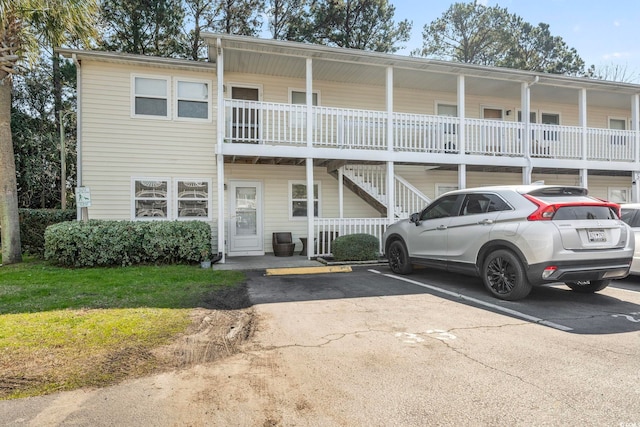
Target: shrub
110	243
33	223
356	247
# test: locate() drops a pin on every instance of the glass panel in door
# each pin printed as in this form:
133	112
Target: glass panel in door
246	214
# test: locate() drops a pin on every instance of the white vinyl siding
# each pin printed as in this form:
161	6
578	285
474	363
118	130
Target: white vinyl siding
117	146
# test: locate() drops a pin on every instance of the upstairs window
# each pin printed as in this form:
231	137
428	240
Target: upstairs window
150	96
300	98
192	99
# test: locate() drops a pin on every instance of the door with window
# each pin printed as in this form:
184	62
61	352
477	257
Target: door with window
448	133
492	134
245	218
245	125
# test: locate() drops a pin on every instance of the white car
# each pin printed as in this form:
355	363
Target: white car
516	237
631	215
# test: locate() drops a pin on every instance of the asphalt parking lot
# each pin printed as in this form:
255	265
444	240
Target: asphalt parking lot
369	348
614	310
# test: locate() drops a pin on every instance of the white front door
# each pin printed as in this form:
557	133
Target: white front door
245	213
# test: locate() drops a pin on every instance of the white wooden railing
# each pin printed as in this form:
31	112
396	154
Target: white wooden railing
408	198
286	124
327	229
373	180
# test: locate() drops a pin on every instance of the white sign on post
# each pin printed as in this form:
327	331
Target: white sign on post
83	197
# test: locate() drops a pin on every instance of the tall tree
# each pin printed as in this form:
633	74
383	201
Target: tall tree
534	48
145	27
198	12
614	73
466	32
357	24
478	34
24	24
35	138
242	17
287	18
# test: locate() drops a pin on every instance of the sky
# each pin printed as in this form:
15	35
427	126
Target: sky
604	33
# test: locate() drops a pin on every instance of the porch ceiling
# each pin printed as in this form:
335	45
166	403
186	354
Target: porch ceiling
287	59
284	161
542	171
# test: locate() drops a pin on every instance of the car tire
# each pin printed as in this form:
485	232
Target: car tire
398	257
588	286
504	276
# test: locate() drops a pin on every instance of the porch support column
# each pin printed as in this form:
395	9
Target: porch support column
461	115
219	149
341	191
391	196
309	90
311	248
309	162
584	178
462	176
635	118
525	107
582	119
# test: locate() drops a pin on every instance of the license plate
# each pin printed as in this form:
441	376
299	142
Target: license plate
596	236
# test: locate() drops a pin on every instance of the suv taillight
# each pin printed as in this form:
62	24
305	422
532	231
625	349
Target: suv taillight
544	212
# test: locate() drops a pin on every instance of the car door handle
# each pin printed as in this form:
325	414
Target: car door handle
441	227
486	221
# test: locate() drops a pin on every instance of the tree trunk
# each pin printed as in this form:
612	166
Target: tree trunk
9	219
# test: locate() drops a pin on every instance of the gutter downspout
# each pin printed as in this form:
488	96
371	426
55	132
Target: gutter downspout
219	148
78	128
526	113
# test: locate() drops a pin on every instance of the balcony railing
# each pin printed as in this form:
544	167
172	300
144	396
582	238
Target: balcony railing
286	124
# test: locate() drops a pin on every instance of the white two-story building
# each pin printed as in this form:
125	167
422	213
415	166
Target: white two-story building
241	141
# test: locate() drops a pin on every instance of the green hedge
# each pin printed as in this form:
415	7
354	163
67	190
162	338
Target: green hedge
111	243
33	223
356	247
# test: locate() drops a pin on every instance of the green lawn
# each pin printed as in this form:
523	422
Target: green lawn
66	328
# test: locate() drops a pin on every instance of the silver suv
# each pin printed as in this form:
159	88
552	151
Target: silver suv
515	237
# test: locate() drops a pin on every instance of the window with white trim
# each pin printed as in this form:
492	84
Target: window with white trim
449	129
150	198
300	97
150	96
619	194
298	116
193	198
445	188
618	124
298	199
192	99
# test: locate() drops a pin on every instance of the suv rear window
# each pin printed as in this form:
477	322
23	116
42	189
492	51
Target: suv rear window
584	212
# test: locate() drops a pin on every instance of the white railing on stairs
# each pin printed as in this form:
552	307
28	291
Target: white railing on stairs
373	180
408	198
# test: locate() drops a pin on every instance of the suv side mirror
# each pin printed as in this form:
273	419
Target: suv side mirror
415	218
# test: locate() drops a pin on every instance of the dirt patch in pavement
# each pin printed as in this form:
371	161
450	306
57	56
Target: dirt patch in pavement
216	331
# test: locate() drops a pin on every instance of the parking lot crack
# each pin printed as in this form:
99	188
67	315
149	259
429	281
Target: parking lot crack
523	380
